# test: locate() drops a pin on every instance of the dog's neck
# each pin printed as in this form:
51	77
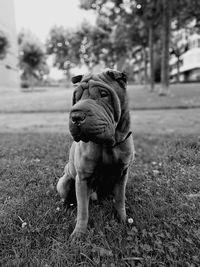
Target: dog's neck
123	126
123	140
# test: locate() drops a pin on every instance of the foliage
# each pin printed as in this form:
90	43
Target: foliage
120	26
184	11
162	199
130	23
85	44
121	19
58	45
96	45
4	45
117	30
32	58
141	22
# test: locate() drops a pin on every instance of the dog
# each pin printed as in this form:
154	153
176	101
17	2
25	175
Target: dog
103	148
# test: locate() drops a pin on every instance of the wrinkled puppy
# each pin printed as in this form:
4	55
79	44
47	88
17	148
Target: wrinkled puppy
99	158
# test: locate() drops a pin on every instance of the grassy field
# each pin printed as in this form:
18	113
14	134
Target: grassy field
162	198
178	121
162	195
59	99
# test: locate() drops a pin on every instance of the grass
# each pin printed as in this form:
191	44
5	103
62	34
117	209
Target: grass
143	121
59	99
162	198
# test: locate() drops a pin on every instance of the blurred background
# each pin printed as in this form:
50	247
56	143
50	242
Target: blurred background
44	43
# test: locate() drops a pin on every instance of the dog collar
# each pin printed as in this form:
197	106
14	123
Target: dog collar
119	143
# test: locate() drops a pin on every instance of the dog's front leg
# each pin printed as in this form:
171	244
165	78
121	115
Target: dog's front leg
119	196
85	161
82	195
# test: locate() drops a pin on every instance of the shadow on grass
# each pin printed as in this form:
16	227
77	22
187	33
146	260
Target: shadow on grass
35	227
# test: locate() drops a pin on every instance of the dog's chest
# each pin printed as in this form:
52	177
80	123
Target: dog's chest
111	163
110	156
108	172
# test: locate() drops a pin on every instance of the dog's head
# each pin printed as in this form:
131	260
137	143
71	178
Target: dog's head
100	107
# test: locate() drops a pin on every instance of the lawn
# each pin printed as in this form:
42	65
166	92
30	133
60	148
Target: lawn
162	198
59	99
177	121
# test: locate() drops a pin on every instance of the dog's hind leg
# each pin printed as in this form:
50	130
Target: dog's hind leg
66	187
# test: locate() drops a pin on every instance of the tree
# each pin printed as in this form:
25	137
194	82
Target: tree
57	44
166	25
134	23
4	45
64	45
152	18
32	58
84	45
94	44
186	10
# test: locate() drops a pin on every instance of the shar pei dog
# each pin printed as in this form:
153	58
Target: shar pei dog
103	148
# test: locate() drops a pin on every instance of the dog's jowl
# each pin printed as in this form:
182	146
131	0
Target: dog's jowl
103	145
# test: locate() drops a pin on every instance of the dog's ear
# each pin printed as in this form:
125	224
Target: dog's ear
118	76
76	79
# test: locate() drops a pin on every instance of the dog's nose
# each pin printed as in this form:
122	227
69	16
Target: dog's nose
77	117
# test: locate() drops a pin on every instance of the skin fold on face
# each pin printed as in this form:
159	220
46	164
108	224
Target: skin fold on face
95	113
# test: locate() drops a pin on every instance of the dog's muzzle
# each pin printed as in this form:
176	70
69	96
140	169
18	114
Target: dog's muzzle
77	117
89	121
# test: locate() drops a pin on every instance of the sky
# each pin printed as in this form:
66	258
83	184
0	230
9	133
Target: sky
40	15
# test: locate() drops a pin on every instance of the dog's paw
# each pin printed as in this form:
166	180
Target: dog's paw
77	237
122	217
121	214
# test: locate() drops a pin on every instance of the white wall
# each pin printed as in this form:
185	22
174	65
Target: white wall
9	77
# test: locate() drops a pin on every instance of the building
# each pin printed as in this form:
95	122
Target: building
9	77
184	57
185	65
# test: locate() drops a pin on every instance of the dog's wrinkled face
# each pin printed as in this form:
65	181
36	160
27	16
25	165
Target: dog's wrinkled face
96	106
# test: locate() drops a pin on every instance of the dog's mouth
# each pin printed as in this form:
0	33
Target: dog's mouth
78	138
82	133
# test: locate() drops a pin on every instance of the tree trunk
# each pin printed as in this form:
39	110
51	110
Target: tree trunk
120	63
68	76
151	56
165	48
31	79
178	69
145	67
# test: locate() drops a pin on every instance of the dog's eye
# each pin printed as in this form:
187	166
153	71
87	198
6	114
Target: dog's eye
103	93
